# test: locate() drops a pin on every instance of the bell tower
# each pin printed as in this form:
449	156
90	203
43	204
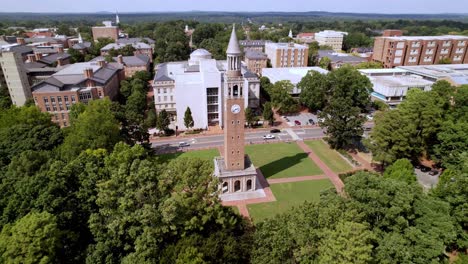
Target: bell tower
234	118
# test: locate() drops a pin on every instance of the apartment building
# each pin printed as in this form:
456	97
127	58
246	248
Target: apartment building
331	38
254	45
287	54
79	82
14	73
255	61
414	50
199	84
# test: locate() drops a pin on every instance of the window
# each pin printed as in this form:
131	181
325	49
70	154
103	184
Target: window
159	91
65	98
63	116
165	90
159	98
68	107
48	108
172	98
52	99
165	98
73	99
46	100
59	99
61	107
65	123
54	108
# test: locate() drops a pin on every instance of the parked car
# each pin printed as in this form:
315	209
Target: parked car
275	130
297	122
370	117
425	169
311	121
433	172
184	144
268	136
367	128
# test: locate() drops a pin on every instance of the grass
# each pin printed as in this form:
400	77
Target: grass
288	195
208	154
282	160
329	156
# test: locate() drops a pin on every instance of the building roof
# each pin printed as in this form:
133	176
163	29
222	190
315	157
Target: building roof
116	46
134	40
233	46
16	48
445	37
330	33
82	46
293	74
305	35
337	57
200	52
394	81
253	54
72	77
458	73
50	59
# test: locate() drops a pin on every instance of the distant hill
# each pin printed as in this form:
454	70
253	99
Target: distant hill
258	17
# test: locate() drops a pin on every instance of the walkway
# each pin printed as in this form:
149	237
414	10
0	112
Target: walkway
364	163
293	134
328	172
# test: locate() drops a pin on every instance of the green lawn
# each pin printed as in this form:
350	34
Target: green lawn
288	195
330	157
282	160
208	154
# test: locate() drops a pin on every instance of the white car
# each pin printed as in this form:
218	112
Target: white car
370	117
184	144
269	136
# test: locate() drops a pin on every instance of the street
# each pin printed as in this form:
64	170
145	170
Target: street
201	142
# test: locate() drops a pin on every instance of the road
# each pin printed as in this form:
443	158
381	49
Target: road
217	140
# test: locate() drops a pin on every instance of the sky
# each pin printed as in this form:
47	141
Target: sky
354	6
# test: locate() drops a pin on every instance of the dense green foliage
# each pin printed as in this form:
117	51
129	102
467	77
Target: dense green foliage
188	119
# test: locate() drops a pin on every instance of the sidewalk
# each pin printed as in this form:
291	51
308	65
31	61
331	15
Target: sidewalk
328	172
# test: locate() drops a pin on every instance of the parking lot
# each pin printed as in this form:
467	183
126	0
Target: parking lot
426	180
303	119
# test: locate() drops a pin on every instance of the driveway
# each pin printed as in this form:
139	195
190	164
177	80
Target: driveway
426	180
301	117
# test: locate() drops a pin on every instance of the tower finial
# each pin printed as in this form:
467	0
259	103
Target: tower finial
233	47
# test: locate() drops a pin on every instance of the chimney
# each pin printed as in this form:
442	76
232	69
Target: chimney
88	73
38	56
59	61
20	41
31	57
60	49
101	63
120	59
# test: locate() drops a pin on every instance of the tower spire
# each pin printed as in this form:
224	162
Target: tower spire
117	19
80	39
290	34
233	47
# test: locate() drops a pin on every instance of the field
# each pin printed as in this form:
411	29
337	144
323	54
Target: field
282	160
330	157
288	195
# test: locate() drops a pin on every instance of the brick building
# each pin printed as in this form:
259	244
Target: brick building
129	64
255	61
106	31
79	82
141	48
414	50
287	54
306	37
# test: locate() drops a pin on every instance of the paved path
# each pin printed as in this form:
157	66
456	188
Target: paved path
364	163
298	179
328	172
292	134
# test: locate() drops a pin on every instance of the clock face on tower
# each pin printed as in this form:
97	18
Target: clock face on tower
235	109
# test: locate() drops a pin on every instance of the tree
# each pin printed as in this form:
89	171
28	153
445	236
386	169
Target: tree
268	114
250	117
95	128
163	121
348	242
445	61
453	139
281	97
401	170
34	238
76	56
370	65
325	63
188	119
314	88
343	122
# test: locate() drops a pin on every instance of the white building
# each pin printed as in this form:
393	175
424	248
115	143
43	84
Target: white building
294	75
331	38
456	74
198	83
287	54
392	85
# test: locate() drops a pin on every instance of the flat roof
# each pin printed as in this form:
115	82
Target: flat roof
382	71
439	71
445	37
400	81
293	74
285	45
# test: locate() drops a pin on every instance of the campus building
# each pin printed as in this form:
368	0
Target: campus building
106	31
79	82
198	83
305	37
411	51
254	45
456	74
293	74
331	38
337	60
255	61
130	64
287	54
141	48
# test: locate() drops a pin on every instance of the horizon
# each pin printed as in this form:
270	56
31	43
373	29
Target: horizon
240	6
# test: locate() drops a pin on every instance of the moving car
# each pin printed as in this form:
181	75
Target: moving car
275	130
184	144
268	136
297	122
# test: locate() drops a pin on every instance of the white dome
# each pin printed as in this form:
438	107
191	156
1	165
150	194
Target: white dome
197	55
